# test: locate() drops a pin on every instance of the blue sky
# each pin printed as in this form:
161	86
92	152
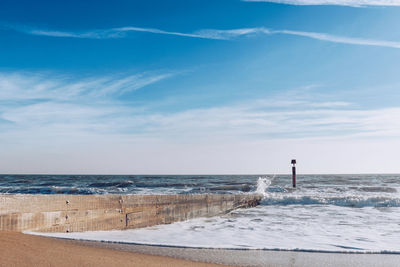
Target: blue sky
199	86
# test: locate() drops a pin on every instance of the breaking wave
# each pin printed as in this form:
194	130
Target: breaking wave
349	201
262	185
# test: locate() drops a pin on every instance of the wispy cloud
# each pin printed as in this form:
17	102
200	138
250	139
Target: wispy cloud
122	32
42	85
105	34
353	3
213	34
44	105
342	39
313	120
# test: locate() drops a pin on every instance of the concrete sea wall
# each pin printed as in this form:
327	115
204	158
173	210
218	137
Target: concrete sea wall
76	213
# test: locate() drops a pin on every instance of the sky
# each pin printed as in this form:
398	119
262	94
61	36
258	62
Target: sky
199	87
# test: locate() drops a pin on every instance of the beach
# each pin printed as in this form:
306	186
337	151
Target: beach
331	220
17	249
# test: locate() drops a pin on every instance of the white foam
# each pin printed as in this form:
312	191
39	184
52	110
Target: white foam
321	228
262	184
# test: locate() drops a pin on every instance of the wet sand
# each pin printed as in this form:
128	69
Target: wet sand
259	257
17	249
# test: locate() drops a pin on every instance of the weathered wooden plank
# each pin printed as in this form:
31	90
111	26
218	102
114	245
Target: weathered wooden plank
71	213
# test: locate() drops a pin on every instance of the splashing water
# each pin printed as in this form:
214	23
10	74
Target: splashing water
262	185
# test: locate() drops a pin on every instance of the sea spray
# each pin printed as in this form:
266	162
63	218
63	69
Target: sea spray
262	185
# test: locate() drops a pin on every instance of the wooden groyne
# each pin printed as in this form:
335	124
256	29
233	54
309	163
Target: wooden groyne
77	213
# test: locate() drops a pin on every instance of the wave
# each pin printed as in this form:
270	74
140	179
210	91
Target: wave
355	197
312	189
53	190
119	184
348	201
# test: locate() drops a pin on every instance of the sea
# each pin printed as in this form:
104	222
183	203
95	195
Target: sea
327	213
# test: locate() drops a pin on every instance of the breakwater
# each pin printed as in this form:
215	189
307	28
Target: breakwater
77	213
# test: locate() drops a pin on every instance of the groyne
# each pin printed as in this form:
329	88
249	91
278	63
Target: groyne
77	213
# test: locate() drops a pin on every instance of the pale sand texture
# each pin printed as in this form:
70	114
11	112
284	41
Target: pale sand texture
261	258
17	249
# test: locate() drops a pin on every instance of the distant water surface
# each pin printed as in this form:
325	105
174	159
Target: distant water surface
338	213
126	184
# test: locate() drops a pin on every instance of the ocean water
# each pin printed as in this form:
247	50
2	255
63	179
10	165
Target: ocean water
126	184
336	213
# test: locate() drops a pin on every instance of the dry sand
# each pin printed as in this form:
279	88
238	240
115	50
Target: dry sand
17	249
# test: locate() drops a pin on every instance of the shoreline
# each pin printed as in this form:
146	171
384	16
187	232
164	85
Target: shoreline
255	257
386	252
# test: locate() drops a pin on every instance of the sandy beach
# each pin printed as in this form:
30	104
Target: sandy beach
17	249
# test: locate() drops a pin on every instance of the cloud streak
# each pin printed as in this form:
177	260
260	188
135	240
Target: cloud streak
123	31
18	86
43	106
352	3
212	34
342	39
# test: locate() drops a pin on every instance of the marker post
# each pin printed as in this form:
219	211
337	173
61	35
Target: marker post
294	172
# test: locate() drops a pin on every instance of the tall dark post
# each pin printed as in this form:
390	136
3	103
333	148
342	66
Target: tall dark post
294	172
